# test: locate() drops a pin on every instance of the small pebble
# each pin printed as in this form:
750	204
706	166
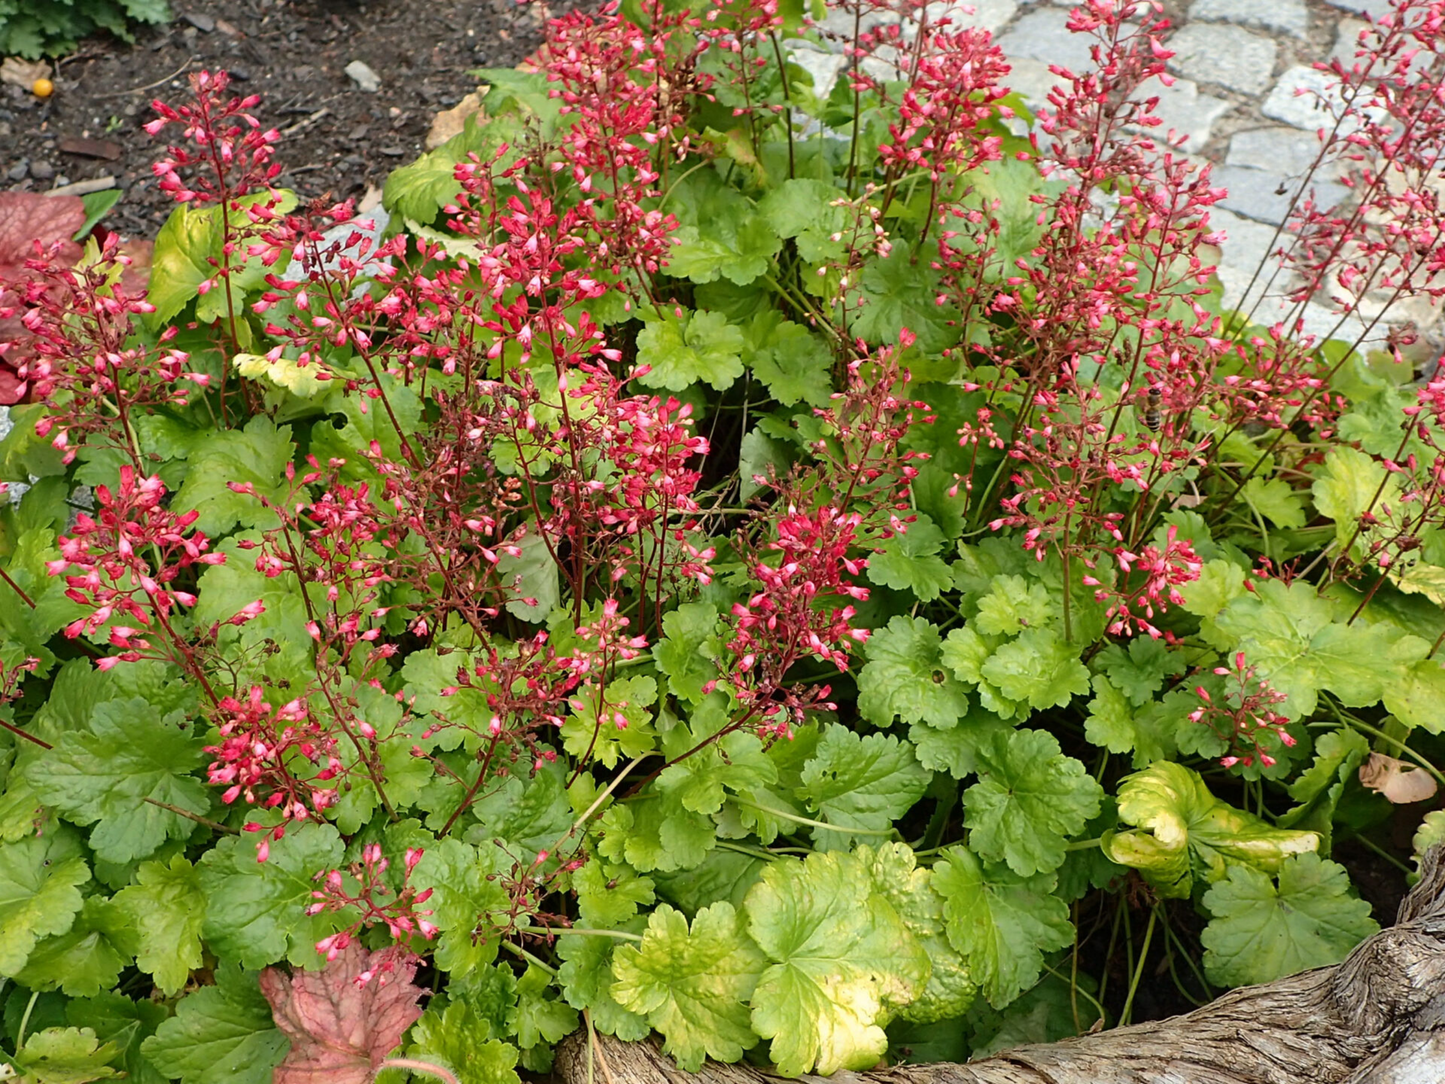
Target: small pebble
18	171
201	21
362	75
42	170
393	152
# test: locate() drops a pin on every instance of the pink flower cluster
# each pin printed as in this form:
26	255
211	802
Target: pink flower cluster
279	758
1245	716
123	562
366	888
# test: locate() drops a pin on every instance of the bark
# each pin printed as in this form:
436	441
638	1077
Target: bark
1376	1018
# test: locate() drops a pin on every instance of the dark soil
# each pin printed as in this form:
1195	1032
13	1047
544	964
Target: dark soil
291	52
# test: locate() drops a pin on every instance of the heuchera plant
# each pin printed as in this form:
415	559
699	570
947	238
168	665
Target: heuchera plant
814	571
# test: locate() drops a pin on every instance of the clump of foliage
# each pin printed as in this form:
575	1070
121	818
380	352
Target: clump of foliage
811	571
35	28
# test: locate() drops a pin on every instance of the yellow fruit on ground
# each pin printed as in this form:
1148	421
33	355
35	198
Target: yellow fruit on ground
42	88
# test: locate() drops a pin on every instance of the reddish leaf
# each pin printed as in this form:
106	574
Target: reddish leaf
135	278
27	217
340	1031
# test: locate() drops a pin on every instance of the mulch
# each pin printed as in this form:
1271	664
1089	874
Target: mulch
339	139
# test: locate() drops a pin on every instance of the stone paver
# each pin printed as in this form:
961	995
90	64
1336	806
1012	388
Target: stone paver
1373	8
1043	35
1347	41
990	15
1032	79
1266	194
1229	55
1281	16
1185	110
1285	150
823	67
1306	98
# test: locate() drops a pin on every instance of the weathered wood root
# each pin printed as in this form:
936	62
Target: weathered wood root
1377	1018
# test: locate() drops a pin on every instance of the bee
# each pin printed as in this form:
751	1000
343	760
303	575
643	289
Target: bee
1153	416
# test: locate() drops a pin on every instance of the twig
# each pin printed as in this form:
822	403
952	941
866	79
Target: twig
216	826
151	86
84	188
306	122
25	734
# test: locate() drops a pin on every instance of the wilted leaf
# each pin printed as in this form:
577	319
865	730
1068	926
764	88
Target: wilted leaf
341	1030
25	218
1399	782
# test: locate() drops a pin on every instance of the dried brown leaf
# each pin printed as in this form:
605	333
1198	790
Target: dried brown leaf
340	1031
1399	782
23	73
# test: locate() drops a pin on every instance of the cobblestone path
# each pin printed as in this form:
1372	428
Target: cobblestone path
1237	65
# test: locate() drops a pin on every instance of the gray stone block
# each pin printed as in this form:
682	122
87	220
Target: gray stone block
823	67
1043	35
1282	16
1265	195
839	23
1185	110
990	15
1307	98
1347	41
1228	55
1032	80
1288	151
1247	244
1373	8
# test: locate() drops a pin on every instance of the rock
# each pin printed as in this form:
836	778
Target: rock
1373	8
1185	110
201	21
41	170
1289	151
1306	98
334	247
1228	55
1247	244
1283	16
1043	35
823	67
839	22
19	171
1265	194
990	15
1347	41
1032	80
362	75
